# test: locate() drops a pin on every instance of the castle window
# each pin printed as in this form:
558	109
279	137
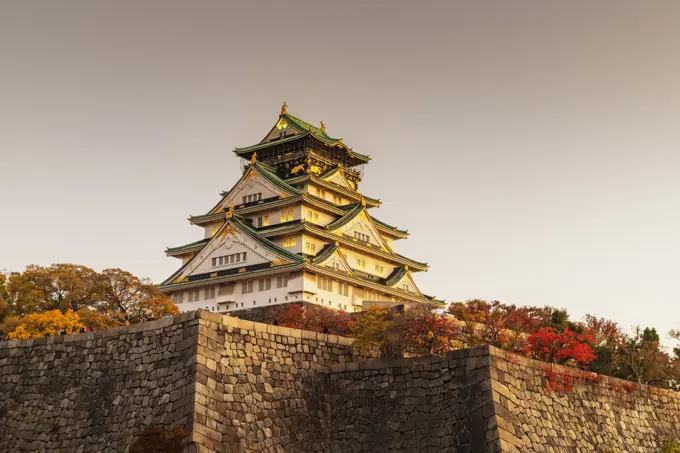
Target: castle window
262	221
281	281
379	270
286	216
252	198
361	237
194	295
313	216
246	287
343	289
324	283
264	284
361	264
310	248
337	199
209	293
229	259
289	242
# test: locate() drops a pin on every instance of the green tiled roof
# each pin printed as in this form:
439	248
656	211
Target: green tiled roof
436	301
395	276
388	226
346	218
268	173
325	252
303	129
187	246
252	234
266	243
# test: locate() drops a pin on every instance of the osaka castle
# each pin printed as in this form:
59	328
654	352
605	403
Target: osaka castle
295	228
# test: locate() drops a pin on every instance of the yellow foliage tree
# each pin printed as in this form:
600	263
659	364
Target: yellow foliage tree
46	324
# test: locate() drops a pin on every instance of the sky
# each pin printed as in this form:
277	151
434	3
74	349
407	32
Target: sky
531	148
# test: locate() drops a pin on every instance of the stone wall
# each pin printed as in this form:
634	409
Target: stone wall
239	386
429	404
598	414
261	388
95	392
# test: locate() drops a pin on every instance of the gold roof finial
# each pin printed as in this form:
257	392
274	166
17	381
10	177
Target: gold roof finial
284	108
323	127
337	244
253	158
230	212
363	201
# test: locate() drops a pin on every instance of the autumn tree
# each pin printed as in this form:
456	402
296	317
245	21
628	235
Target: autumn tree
375	330
565	347
312	317
59	286
607	336
136	298
427	332
103	299
500	325
4	297
643	360
45	324
97	320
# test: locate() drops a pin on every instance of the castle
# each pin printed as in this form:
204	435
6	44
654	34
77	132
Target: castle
294	228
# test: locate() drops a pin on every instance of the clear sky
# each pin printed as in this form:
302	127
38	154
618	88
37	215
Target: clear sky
531	148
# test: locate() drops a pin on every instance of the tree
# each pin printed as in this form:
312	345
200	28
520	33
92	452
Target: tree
4	297
9	324
137	299
44	324
374	330
312	317
104	299
427	332
97	320
73	286
566	347
500	325
642	360
606	339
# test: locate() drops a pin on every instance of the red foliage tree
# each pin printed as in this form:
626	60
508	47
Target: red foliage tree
501	325
566	347
314	318
427	332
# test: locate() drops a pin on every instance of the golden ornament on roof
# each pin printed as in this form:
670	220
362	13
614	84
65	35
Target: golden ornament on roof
253	158
323	126
230	213
363	201
284	108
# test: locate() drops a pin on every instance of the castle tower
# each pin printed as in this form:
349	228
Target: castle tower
294	228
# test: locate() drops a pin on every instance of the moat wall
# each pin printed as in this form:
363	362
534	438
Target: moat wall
428	404
94	392
239	386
